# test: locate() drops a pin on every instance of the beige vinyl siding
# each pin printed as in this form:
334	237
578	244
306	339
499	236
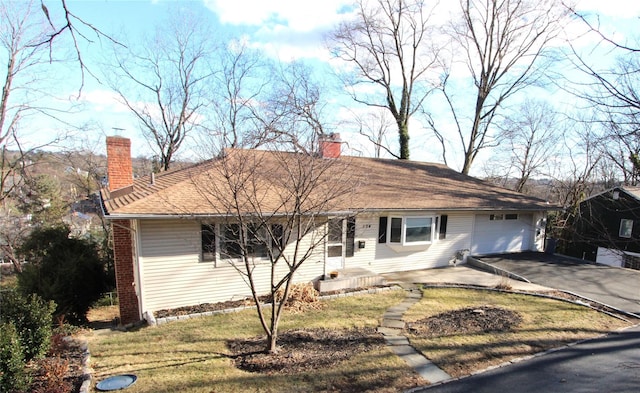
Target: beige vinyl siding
172	275
382	258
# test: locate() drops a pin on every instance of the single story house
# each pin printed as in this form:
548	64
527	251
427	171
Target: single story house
169	231
606	229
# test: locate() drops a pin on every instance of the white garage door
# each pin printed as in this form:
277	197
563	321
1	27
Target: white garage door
498	233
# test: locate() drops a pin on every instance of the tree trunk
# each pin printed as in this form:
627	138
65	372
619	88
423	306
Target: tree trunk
403	138
468	160
272	342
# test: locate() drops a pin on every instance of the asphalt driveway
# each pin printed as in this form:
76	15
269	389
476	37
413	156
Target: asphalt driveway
616	287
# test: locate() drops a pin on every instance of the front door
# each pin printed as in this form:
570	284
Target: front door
335	244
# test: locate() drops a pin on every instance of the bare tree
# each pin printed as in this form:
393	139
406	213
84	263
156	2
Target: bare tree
503	44
620	145
85	169
163	82
275	207
241	76
21	32
30	42
614	94
388	45
573	178
375	127
272	207
293	113
531	135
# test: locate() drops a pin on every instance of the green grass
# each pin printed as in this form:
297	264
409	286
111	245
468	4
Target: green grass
546	324
190	355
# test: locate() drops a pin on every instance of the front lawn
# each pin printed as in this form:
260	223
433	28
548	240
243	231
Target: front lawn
545	324
194	355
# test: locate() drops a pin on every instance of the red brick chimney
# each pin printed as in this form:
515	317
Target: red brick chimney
119	167
330	145
120	175
124	269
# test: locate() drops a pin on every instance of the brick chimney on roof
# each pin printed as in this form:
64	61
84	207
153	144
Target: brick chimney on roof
120	175
330	145
119	167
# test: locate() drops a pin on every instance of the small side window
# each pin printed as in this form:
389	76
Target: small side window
351	237
626	228
396	230
512	216
442	230
382	230
208	235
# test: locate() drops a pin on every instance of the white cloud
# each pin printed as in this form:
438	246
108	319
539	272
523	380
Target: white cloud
284	29
103	101
299	16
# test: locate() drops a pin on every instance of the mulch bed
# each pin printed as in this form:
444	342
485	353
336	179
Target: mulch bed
61	371
303	350
207	307
200	308
466	321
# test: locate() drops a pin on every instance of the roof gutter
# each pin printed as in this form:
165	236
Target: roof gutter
214	215
329	213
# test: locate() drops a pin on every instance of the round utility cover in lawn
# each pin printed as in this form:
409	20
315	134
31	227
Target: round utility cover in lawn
116	382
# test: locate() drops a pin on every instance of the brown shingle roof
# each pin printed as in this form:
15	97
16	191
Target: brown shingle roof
374	184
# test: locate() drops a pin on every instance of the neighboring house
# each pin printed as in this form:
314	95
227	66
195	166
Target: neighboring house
607	228
401	215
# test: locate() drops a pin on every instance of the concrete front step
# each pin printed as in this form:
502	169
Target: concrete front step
350	278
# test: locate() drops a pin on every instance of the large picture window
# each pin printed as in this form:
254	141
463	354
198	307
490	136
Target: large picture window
257	240
411	230
417	229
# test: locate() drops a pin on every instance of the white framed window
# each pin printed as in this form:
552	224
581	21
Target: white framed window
225	241
496	217
626	228
411	230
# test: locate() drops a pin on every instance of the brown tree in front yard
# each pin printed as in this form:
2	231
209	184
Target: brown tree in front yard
275	208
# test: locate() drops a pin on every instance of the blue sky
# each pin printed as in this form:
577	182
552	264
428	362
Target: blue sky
283	29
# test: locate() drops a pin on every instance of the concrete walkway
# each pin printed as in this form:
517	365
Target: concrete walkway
461	274
392	327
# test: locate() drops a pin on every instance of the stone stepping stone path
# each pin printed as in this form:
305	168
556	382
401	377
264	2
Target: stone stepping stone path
392	328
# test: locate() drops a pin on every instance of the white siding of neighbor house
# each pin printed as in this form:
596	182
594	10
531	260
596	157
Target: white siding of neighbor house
384	258
171	274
